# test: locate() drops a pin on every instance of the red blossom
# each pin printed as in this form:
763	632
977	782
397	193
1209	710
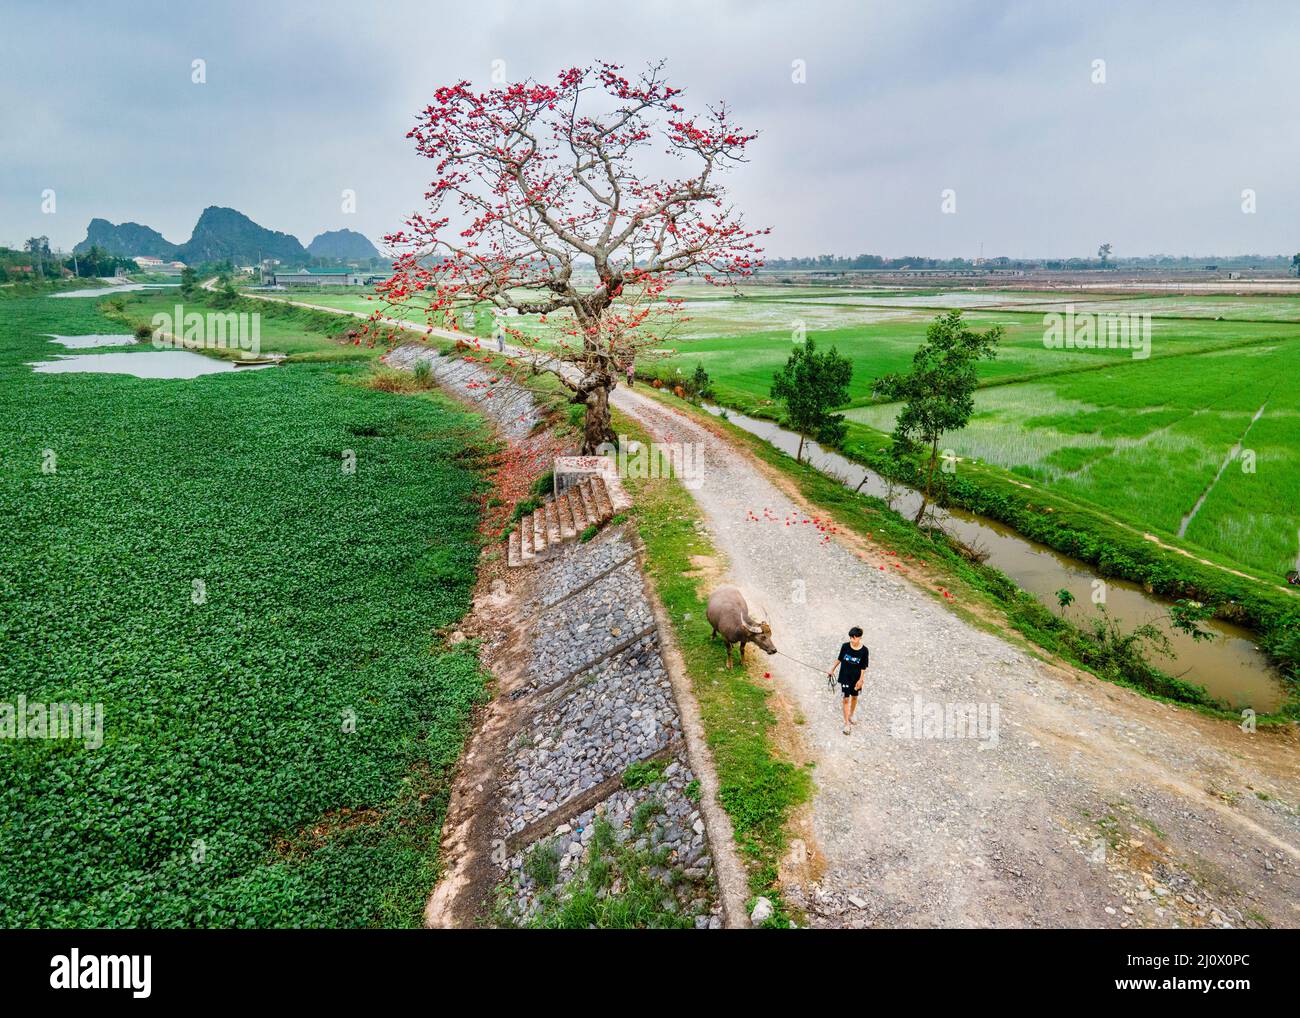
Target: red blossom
539	183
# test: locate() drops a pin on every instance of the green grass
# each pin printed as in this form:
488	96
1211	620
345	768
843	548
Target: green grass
618	887
543	863
366	302
1140	440
741	362
279	754
645	772
302	334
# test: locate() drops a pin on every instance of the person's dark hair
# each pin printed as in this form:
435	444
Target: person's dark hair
855	631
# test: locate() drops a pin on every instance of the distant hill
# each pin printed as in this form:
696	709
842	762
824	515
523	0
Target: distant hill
224	233
346	245
127	240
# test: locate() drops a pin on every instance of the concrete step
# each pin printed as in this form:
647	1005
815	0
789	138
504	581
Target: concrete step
552	513
565	510
619	500
525	531
575	507
601	496
514	557
588	503
539	533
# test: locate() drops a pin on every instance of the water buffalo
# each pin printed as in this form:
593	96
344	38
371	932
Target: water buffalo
729	616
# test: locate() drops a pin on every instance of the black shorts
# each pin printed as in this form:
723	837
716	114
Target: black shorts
847	688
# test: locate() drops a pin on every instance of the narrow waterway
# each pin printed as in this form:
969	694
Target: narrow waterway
1230	667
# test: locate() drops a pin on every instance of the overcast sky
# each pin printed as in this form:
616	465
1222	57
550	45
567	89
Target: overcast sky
902	100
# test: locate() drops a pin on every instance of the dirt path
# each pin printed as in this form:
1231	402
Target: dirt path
1091	806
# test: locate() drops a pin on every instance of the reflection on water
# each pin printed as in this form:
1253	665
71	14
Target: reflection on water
108	291
147	364
1231	667
86	342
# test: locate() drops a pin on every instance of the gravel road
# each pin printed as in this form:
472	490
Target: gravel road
1067	802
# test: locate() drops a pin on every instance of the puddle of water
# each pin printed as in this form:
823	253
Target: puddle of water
1231	667
86	342
151	364
108	291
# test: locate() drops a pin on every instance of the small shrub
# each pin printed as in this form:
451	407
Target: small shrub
542	864
544	485
646	772
701	383
525	507
644	813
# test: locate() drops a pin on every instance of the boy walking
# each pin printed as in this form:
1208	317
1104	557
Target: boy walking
852	663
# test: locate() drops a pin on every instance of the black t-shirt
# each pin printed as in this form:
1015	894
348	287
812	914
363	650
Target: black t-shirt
852	664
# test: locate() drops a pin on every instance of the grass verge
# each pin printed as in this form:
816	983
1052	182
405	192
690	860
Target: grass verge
758	789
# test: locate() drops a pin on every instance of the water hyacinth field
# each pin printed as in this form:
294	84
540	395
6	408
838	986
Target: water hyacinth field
259	625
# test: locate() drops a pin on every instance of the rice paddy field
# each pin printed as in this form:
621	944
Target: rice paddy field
259	624
1143	438
1199	443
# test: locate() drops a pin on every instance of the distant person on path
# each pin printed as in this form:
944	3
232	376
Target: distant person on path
501	342
631	374
852	663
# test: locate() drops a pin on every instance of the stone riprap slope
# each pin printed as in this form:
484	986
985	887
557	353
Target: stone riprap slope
598	701
589	730
511	407
654	823
589	625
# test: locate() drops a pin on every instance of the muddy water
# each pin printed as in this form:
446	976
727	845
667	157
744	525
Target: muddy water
1230	667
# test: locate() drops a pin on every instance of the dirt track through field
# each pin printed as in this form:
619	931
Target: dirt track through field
1085	805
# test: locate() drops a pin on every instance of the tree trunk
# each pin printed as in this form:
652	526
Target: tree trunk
798	457
598	429
929	481
929	476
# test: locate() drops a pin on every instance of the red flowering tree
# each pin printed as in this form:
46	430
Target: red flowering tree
544	205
